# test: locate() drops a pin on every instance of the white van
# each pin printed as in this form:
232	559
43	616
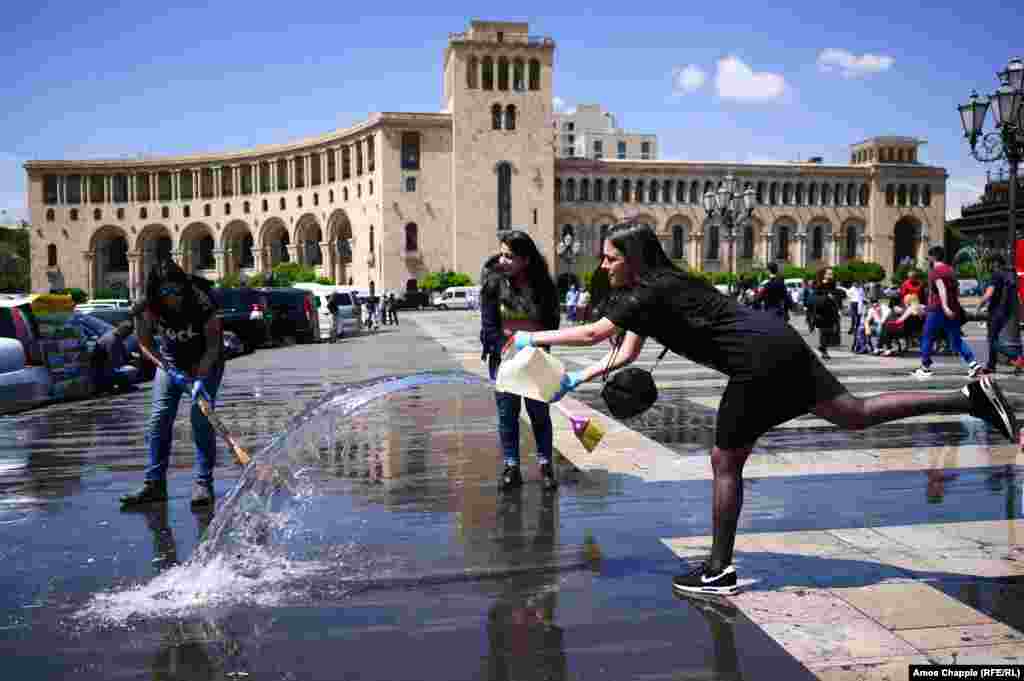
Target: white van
348	310
458	298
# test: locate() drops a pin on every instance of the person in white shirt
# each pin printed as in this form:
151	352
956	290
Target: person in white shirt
856	305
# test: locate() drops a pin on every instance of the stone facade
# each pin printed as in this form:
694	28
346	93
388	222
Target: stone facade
383	202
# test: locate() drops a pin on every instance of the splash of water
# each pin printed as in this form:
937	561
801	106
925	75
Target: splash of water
242	556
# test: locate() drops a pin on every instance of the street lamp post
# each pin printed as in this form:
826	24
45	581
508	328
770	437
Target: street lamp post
731	207
1006	143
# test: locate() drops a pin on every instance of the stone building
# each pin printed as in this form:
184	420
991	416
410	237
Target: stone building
591	132
986	222
383	202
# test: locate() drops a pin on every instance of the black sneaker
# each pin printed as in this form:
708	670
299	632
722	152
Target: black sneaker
700	581
151	492
989	404
202	494
511	478
548	479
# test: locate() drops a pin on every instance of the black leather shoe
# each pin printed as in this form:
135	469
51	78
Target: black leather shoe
152	491
511	478
548	479
202	494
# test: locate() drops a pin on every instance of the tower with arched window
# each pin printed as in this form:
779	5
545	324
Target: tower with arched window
503	172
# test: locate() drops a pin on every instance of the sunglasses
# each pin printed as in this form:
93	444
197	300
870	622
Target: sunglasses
170	291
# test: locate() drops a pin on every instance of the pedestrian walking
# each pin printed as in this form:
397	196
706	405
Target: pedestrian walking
583	306
945	315
571	300
773	296
1001	298
181	314
518	294
393	308
826	305
773	375
856	306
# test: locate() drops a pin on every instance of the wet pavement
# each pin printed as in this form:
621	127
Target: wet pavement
406	562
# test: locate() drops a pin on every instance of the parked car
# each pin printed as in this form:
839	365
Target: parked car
94	304
25	379
348	308
233	346
92	328
244	312
457	298
293	314
413	300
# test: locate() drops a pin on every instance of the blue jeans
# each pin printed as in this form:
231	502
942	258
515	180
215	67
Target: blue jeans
935	322
996	344
508	425
160	427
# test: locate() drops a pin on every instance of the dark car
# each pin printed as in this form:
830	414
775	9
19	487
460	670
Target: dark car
293	314
413	300
244	312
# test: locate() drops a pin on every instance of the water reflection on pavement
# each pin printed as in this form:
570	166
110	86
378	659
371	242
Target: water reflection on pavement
431	572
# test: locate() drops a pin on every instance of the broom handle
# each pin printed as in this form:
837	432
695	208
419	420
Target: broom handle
242	457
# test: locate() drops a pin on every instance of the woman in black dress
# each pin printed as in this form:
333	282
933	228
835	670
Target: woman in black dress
774	376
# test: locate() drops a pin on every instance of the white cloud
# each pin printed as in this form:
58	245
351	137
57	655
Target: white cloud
687	79
736	80
849	65
962	192
559	105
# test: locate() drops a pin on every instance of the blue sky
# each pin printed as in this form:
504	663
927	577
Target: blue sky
743	82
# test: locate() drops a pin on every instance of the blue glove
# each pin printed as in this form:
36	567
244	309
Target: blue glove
199	388
178	378
522	339
570	381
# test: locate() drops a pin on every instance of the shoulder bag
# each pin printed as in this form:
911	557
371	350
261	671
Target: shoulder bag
630	391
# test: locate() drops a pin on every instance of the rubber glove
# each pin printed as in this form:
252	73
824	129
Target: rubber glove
522	339
570	381
199	388
178	378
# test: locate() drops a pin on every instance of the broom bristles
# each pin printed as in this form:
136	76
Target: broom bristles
587	432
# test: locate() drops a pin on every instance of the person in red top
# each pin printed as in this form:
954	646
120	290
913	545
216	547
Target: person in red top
912	286
943	315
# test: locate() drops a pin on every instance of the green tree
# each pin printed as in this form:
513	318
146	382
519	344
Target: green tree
232	280
288	273
15	258
436	281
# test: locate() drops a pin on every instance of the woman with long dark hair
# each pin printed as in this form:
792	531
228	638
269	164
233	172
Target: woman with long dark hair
774	376
180	312
518	294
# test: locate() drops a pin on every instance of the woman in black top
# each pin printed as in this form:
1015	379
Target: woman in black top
774	376
826	309
518	294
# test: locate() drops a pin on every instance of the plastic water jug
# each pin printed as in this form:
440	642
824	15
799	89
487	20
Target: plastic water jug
532	373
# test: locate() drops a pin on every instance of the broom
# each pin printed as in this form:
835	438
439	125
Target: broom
586	431
242	457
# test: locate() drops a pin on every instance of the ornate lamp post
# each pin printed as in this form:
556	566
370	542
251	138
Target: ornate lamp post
731	207
1006	143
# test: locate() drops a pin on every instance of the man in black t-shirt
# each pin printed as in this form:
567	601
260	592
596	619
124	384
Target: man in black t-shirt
774	376
1001	297
182	315
774	297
